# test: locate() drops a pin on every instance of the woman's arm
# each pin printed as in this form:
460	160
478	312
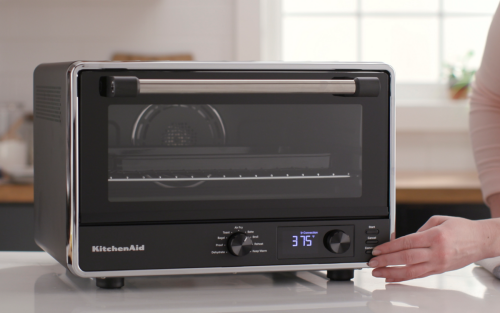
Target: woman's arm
494	203
485	119
446	243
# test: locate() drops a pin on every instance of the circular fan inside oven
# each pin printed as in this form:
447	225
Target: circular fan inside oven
178	125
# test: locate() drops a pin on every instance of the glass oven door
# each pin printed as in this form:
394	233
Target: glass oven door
163	156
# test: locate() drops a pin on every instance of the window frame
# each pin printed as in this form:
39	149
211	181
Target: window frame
264	25
272	16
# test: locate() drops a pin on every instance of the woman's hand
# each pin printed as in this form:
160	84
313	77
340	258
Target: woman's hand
442	244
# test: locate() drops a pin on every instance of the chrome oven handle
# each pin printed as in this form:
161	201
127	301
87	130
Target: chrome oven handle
130	86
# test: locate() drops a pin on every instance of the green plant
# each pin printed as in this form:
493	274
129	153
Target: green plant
460	76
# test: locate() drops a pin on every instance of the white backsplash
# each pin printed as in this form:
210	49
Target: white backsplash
434	152
38	31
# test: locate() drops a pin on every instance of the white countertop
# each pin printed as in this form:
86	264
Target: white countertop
34	282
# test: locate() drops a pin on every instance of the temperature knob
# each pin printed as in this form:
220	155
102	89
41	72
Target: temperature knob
239	244
337	241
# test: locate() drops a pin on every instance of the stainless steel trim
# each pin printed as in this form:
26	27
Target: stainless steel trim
165	86
72	166
232	66
392	151
224	270
73	159
151	179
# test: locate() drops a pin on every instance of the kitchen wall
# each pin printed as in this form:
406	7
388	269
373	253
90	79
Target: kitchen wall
434	152
432	131
36	31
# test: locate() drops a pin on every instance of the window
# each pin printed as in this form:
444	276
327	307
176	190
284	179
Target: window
416	37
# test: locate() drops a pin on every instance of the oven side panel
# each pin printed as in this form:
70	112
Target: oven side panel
50	107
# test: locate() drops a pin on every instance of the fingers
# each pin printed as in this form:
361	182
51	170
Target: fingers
433	222
405	257
413	241
400	273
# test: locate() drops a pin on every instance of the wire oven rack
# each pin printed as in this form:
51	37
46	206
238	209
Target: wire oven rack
218	176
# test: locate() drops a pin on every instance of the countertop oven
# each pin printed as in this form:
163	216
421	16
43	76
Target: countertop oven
163	168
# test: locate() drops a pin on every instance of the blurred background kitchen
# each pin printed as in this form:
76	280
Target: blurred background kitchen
434	46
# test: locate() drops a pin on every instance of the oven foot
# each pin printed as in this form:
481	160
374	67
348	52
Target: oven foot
340	275
110	282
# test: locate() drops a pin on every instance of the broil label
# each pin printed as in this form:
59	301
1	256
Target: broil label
118	249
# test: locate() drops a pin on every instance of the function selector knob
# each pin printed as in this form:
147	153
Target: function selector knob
337	241
239	244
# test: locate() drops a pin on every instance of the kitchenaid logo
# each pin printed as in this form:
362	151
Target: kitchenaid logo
117	249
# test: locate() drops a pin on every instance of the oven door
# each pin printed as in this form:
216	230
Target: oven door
178	146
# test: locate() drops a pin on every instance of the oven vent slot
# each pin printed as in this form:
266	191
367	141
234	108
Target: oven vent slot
48	103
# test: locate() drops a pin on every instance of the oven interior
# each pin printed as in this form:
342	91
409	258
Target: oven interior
176	152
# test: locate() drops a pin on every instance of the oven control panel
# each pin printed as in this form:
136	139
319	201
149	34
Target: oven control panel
292	242
229	244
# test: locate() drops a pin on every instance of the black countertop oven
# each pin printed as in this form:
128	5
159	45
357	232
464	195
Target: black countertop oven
164	168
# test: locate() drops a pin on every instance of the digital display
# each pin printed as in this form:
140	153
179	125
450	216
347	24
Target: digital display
300	241
307	242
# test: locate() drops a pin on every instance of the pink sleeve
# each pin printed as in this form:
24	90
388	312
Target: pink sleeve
485	113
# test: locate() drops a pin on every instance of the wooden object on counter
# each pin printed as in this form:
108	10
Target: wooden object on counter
16	193
438	188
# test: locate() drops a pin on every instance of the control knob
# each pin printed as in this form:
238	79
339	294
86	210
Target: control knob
239	244
337	241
